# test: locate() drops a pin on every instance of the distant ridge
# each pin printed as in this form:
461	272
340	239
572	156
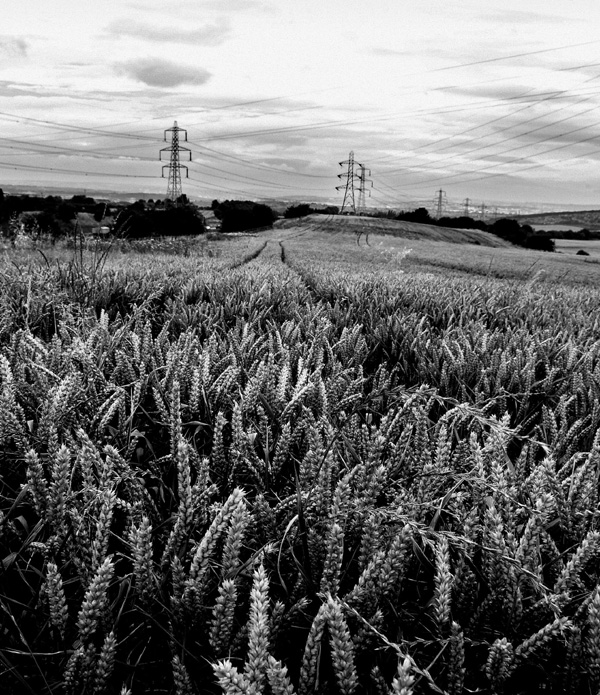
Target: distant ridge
589	219
405	230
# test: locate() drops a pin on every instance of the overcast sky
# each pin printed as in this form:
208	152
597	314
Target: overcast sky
491	101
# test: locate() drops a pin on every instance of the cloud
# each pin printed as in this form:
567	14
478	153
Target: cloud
238	5
526	17
207	35
513	92
13	47
388	52
156	72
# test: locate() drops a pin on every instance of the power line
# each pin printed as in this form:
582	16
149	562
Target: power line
227	156
502	130
515	55
250	179
516	159
31	167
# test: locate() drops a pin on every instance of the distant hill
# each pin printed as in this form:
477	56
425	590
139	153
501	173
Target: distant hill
590	219
405	230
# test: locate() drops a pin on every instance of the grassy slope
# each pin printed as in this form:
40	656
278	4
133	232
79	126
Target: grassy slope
579	218
428	253
397	228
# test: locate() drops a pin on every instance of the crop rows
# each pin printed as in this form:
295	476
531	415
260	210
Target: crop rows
275	473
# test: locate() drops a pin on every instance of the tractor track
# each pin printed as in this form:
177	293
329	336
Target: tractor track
249	257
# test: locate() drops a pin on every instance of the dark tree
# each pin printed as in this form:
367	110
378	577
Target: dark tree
240	215
65	212
538	242
508	229
420	215
462	222
301	210
135	223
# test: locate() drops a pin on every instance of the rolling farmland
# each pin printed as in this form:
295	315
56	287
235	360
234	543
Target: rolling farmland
294	463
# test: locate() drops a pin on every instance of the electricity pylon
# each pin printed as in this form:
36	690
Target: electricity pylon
362	184
352	176
467	201
439	202
174	191
348	187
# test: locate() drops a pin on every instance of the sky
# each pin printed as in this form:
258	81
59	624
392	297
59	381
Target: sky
497	103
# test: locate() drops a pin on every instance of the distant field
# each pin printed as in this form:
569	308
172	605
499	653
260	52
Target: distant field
556	227
592	246
444	256
406	230
570	219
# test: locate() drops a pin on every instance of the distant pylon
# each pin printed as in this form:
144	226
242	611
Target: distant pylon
439	200
482	213
349	202
174	191
362	185
467	201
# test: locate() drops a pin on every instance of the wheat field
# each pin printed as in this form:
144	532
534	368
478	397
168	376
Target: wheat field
295	464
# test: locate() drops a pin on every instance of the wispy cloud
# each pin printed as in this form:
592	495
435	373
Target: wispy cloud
513	17
211	34
388	52
511	93
156	72
13	47
238	5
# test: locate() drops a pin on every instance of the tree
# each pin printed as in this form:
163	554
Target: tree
65	212
508	229
301	210
462	222
240	215
420	215
136	223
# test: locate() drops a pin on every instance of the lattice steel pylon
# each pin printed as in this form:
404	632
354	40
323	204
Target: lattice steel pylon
439	203
349	186
174	166
362	186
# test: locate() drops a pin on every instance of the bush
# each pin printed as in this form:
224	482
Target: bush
539	243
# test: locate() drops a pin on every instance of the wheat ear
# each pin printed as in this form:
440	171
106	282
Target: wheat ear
342	648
